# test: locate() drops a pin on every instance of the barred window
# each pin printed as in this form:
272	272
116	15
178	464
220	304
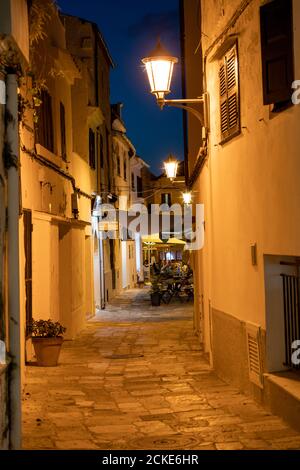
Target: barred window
229	95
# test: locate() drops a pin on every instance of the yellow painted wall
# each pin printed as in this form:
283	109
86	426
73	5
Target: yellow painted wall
250	186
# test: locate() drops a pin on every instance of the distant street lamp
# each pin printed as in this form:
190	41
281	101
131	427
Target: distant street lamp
187	197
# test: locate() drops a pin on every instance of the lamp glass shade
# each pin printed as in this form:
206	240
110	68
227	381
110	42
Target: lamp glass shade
187	197
159	67
171	166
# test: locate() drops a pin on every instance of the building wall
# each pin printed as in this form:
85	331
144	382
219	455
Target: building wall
136	170
91	110
3	312
14	38
162	185
250	188
59	250
122	184
12	27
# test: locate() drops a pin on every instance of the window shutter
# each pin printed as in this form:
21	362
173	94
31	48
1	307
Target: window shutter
139	187
223	97
101	152
229	94
276	20
44	125
63	132
92	155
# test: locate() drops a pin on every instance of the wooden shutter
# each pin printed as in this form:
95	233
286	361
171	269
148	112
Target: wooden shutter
229	94
101	152
63	132
44	126
139	185
92	156
276	20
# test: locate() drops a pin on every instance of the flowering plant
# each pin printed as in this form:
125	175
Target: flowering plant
46	328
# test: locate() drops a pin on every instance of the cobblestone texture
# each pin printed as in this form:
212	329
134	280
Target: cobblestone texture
137	378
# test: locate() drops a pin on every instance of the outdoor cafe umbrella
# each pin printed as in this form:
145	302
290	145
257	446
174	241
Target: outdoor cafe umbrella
151	239
175	241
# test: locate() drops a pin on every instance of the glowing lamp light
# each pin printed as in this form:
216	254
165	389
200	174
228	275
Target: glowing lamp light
159	66
187	197
171	166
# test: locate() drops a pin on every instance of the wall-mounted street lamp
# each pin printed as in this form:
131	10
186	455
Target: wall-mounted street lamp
159	66
187	197
171	166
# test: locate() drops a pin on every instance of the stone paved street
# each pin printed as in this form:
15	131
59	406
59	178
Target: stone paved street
137	378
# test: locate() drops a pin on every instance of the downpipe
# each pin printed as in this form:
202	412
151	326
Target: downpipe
13	188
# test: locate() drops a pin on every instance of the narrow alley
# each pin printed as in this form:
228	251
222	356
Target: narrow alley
137	378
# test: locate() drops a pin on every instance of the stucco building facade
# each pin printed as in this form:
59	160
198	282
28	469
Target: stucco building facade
124	246
245	55
14	53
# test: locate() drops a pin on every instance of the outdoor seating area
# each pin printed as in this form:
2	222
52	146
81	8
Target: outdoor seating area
167	270
172	281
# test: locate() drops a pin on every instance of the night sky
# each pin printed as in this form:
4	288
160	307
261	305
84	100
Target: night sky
131	29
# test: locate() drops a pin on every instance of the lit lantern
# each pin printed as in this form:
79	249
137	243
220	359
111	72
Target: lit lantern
187	197
171	166
159	66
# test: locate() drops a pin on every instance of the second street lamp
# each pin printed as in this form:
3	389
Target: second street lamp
171	166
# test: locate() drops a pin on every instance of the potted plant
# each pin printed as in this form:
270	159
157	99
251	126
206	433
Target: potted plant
155	293
47	338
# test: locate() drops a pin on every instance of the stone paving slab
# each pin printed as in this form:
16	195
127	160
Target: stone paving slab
137	378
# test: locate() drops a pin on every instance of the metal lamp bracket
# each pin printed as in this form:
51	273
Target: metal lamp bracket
185	104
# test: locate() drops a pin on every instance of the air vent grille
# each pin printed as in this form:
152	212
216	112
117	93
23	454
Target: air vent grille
253	334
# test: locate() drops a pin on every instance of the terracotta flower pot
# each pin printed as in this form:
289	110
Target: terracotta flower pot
47	350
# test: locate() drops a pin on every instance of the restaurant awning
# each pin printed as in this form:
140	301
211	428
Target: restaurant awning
176	241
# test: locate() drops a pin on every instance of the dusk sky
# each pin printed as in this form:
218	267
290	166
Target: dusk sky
131	29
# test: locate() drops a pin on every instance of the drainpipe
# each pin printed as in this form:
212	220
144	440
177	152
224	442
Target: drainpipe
12	136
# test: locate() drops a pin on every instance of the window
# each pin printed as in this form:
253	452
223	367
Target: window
166	199
108	158
63	132
44	127
276	19
125	170
101	152
118	166
92	155
132	182
229	95
139	184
